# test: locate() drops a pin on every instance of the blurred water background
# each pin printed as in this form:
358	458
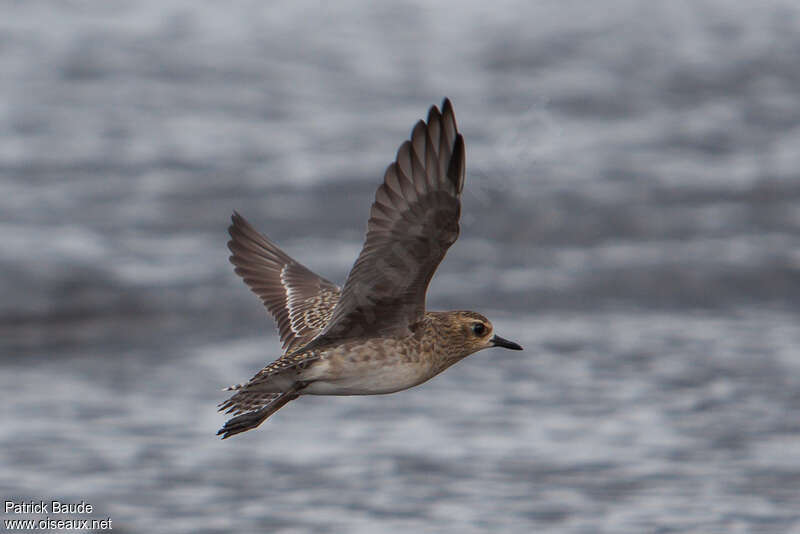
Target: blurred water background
631	216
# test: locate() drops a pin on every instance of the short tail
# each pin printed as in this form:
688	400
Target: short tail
250	420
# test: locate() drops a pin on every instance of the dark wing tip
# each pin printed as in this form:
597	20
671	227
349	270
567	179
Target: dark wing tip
433	115
458	163
448	111
418	136
227	430
235	221
447	106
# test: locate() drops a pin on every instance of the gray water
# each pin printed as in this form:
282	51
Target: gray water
631	216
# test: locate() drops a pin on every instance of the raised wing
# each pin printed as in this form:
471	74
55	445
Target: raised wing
300	301
412	223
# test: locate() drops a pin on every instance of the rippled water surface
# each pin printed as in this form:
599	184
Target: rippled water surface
631	216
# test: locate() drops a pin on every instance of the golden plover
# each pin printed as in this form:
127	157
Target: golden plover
373	336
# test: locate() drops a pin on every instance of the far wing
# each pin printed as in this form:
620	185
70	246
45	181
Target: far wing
300	301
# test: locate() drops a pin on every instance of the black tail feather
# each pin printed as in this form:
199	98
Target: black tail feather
250	420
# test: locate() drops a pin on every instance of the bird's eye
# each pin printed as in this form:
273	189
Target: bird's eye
479	329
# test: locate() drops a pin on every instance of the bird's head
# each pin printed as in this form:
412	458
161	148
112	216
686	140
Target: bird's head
474	332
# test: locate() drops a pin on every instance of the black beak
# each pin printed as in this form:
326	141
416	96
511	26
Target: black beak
500	342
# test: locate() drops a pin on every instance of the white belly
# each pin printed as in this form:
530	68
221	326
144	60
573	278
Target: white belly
369	379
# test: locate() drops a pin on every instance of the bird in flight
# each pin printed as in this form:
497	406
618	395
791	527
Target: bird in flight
372	336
